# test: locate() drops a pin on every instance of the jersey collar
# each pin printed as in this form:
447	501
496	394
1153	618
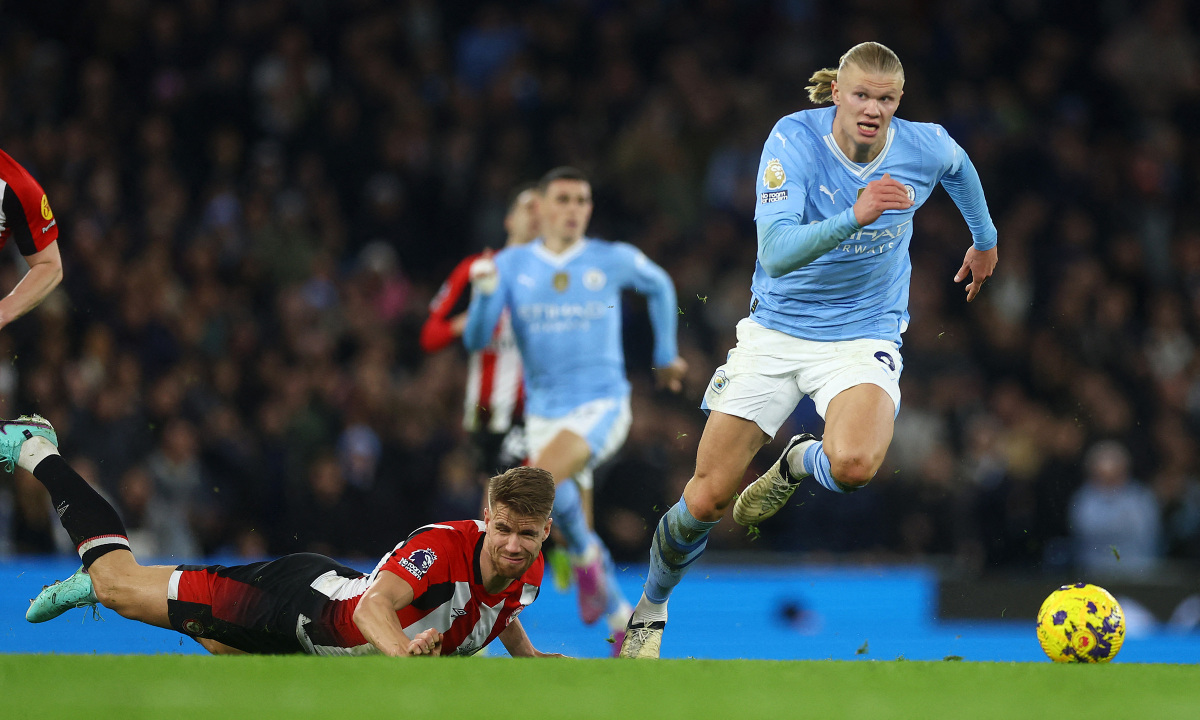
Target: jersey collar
561	259
862	172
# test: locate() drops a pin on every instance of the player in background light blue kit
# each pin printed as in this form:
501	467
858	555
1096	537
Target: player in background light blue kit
563	293
837	191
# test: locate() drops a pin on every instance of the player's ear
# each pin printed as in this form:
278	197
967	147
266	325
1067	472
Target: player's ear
546	530
833	91
487	516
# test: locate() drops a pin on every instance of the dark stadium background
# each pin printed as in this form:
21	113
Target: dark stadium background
257	200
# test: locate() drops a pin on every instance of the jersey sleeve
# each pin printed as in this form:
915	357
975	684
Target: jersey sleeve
780	191
648	278
27	215
423	561
964	187
438	331
485	310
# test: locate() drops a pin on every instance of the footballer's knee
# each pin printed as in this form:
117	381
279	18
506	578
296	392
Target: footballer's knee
707	501
852	471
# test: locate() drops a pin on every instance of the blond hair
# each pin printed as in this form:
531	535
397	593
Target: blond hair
527	491
869	57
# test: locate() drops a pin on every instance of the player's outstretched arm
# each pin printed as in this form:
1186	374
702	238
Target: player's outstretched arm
376	619
518	645
45	273
440	328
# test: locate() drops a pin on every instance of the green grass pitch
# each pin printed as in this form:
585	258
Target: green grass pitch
65	687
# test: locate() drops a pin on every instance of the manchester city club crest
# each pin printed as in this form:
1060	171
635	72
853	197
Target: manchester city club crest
594	279
561	281
719	381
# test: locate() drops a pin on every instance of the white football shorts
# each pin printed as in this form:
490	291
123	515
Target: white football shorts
769	372
604	423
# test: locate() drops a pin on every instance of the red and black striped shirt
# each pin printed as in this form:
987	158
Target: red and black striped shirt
441	563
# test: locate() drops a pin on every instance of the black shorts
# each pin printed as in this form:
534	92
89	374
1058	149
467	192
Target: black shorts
255	608
497	452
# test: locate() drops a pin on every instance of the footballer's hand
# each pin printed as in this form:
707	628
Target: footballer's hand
671	376
427	642
880	195
979	264
482	274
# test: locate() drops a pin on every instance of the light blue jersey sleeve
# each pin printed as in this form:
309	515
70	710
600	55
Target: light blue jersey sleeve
962	184
786	239
649	279
484	311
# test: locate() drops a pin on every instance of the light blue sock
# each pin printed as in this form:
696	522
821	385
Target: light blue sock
678	540
617	601
569	517
816	463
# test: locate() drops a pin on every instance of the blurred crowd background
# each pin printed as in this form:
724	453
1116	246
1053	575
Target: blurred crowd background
257	200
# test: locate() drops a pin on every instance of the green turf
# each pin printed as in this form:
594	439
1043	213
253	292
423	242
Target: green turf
166	687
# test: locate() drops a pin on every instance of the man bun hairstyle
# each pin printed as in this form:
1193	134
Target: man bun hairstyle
526	491
869	57
564	172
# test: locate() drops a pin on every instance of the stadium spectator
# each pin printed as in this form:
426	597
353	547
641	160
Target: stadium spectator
829	303
563	293
1115	520
307	603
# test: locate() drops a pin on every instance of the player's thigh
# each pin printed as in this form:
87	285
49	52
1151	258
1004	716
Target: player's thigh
572	445
134	591
726	448
219	648
564	455
759	380
858	425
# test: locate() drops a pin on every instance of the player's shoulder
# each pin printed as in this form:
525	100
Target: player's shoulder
449	533
615	251
925	133
799	131
16	176
514	254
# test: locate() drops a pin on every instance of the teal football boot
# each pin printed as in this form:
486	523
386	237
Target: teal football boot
14	433
54	600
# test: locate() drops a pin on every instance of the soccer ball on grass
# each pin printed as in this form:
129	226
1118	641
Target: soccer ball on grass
1081	623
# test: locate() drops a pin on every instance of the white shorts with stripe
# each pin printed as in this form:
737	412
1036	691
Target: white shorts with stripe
768	373
603	423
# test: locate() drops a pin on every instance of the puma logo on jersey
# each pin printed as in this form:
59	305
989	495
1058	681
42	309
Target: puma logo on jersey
782	139
831	194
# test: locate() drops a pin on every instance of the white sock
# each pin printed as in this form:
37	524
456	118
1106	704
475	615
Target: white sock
33	451
795	459
618	618
647	611
589	556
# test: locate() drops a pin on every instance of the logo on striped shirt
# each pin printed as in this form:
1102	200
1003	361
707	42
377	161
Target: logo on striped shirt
419	562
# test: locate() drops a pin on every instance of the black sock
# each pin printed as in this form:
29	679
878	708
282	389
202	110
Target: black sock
92	523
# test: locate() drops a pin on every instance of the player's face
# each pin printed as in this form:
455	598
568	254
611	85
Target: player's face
865	103
513	541
565	210
522	221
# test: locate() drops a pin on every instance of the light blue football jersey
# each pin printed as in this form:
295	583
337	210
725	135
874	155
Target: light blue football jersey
566	315
860	288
